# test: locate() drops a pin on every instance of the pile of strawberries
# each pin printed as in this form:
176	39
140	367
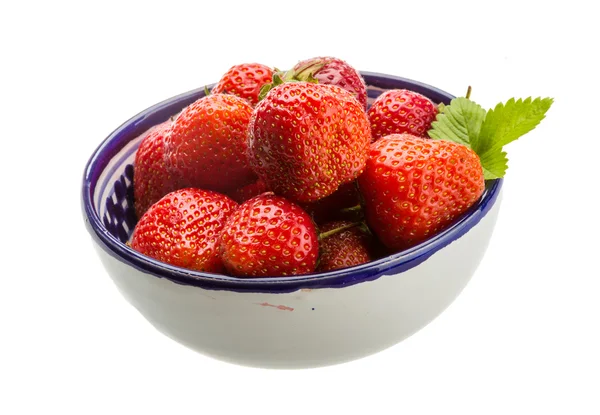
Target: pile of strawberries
284	173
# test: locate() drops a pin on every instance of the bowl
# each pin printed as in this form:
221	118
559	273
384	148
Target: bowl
286	322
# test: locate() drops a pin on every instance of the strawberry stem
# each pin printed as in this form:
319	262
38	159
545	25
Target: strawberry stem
468	94
351	209
331	232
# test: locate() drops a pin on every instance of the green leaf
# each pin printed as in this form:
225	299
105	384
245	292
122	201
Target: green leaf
494	164
509	121
465	122
460	122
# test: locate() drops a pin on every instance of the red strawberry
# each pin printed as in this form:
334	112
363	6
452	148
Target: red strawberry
306	139
345	248
344	203
269	236
247	192
244	80
183	229
331	71
206	147
151	181
400	111
414	187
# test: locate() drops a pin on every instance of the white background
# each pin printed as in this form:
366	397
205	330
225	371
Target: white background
521	339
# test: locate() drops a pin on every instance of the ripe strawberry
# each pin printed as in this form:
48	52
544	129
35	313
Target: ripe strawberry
183	229
306	139
151	181
344	203
269	236
331	71
241	194
345	248
244	80
399	111
206	147
414	187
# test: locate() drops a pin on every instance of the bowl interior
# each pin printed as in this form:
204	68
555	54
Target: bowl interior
107	199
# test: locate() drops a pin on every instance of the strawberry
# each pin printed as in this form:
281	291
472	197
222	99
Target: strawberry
183	229
244	80
305	140
399	111
343	244
330	71
244	193
414	187
268	236
151	181
206	147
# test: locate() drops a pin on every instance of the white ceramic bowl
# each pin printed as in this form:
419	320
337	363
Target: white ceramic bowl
288	322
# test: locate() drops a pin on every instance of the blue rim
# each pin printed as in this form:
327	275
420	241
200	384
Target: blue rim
396	263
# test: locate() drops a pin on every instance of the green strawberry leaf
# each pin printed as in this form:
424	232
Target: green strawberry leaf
465	122
509	121
459	121
494	164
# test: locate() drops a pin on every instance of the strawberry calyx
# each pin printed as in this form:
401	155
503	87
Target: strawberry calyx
303	74
279	77
306	72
